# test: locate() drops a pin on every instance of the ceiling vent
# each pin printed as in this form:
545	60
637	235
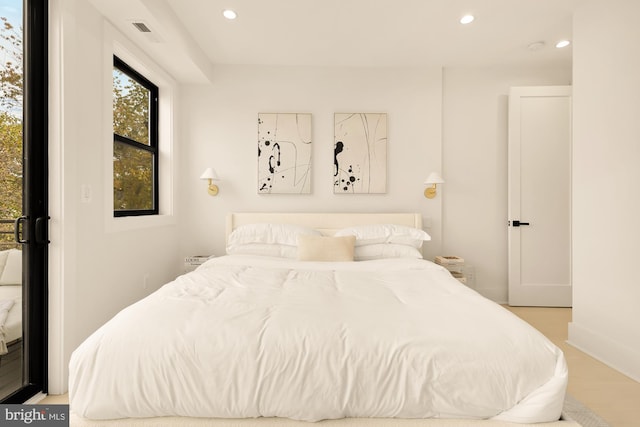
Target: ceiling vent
142	27
146	31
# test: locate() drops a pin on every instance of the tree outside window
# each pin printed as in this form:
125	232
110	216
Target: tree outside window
10	128
135	142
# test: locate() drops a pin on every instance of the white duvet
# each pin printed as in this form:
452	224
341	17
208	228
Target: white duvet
261	337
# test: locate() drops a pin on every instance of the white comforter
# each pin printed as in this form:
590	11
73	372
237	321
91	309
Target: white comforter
249	337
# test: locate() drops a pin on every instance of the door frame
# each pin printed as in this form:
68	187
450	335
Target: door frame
35	201
541	295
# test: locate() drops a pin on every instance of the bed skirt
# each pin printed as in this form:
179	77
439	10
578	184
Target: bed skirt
76	421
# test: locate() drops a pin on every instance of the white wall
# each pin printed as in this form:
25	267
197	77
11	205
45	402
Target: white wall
96	268
474	166
220	130
606	159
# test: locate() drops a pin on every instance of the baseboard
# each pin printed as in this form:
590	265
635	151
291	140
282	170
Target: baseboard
612	353
35	399
494	294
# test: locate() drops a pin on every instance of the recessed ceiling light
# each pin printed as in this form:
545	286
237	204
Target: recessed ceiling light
467	19
536	46
563	43
229	14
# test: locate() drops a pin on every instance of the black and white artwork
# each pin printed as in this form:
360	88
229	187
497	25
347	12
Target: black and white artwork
360	153
284	153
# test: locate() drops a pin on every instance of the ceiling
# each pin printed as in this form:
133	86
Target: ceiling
190	37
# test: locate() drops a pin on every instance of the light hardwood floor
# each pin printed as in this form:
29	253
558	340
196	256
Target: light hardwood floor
608	393
613	396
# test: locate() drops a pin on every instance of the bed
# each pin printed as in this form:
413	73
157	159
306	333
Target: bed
270	335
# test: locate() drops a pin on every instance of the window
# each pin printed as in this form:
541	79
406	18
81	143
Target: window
135	142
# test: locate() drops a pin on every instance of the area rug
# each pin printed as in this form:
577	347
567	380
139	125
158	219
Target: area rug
574	414
576	411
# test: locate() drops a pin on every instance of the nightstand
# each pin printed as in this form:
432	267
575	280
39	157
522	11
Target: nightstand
460	270
192	262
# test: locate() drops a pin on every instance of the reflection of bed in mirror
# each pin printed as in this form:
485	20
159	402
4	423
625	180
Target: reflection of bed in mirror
10	319
278	338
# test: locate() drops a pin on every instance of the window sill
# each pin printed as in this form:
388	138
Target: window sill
128	223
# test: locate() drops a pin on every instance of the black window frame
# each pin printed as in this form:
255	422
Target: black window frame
35	203
153	137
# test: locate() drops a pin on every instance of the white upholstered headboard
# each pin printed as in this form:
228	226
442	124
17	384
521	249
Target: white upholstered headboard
327	223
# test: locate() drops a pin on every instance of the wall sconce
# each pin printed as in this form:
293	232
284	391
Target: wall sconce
433	179
211	175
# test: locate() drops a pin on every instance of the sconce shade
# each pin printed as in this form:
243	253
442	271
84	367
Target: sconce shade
434	178
209	173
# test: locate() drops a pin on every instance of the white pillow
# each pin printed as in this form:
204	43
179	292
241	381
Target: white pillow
385	233
385	250
324	248
283	234
264	249
254	239
12	272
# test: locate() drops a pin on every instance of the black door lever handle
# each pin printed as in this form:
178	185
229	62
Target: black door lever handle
19	230
42	235
517	223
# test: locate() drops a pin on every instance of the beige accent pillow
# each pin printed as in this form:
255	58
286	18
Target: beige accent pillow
323	248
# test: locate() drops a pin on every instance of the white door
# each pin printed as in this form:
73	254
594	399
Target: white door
540	196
